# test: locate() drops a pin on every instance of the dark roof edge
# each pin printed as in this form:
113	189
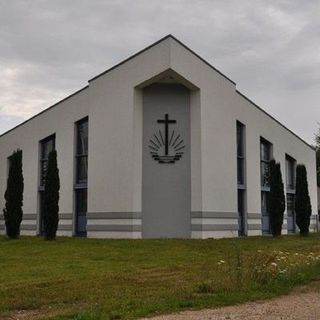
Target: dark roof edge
281	124
154	44
43	111
203	60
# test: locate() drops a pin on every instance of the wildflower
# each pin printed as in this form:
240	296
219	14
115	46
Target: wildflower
273	264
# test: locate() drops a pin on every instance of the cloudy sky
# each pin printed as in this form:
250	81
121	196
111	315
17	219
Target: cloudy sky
271	49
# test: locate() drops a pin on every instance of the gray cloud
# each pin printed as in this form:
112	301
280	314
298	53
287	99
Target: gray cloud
48	49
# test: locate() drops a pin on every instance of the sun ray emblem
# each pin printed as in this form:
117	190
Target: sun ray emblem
165	147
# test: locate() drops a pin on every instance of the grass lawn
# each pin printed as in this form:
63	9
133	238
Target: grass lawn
74	278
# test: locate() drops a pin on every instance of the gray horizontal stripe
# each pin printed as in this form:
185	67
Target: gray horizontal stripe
2	227
65	227
65	216
103	227
254	227
214	214
214	227
114	215
254	215
29	216
1	217
32	227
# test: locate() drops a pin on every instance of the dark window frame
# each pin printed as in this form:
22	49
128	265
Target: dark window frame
264	180
80	186
241	156
241	178
265	162
44	159
41	178
291	188
80	155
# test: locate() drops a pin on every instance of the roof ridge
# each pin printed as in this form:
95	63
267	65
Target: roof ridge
154	44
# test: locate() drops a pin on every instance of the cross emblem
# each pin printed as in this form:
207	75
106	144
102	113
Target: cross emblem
166	122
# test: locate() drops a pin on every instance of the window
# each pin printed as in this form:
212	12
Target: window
290	202
9	164
290	188
241	179
265	157
240	154
82	152
46	146
264	202
81	202
81	176
290	172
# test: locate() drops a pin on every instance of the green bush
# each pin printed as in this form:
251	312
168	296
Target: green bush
14	196
302	200
276	201
51	198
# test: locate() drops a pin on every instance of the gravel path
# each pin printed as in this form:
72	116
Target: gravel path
302	304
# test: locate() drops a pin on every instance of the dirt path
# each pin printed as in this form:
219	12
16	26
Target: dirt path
302	304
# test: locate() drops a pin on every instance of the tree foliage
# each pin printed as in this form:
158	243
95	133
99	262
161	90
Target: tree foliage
51	198
302	200
276	201
14	196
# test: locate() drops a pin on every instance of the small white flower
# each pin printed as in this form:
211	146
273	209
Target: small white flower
273	264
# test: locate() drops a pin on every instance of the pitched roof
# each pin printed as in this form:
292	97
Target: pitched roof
153	45
138	53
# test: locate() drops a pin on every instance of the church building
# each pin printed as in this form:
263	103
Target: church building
162	145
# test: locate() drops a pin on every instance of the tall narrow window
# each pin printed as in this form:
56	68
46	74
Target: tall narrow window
265	157
81	176
46	146
290	189
241	181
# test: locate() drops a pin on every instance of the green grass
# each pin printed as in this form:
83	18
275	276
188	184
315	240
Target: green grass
84	279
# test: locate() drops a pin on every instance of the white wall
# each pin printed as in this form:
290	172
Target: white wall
59	120
113	103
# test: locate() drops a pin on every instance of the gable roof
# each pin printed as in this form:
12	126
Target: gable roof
138	53
153	45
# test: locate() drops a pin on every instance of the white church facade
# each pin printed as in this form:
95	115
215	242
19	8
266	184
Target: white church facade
161	145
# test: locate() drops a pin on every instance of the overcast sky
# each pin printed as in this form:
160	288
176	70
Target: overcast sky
271	49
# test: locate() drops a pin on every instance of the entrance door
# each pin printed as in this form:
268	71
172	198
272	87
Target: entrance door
166	191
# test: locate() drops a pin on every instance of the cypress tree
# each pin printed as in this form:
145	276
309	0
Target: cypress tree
51	198
14	196
276	202
302	200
